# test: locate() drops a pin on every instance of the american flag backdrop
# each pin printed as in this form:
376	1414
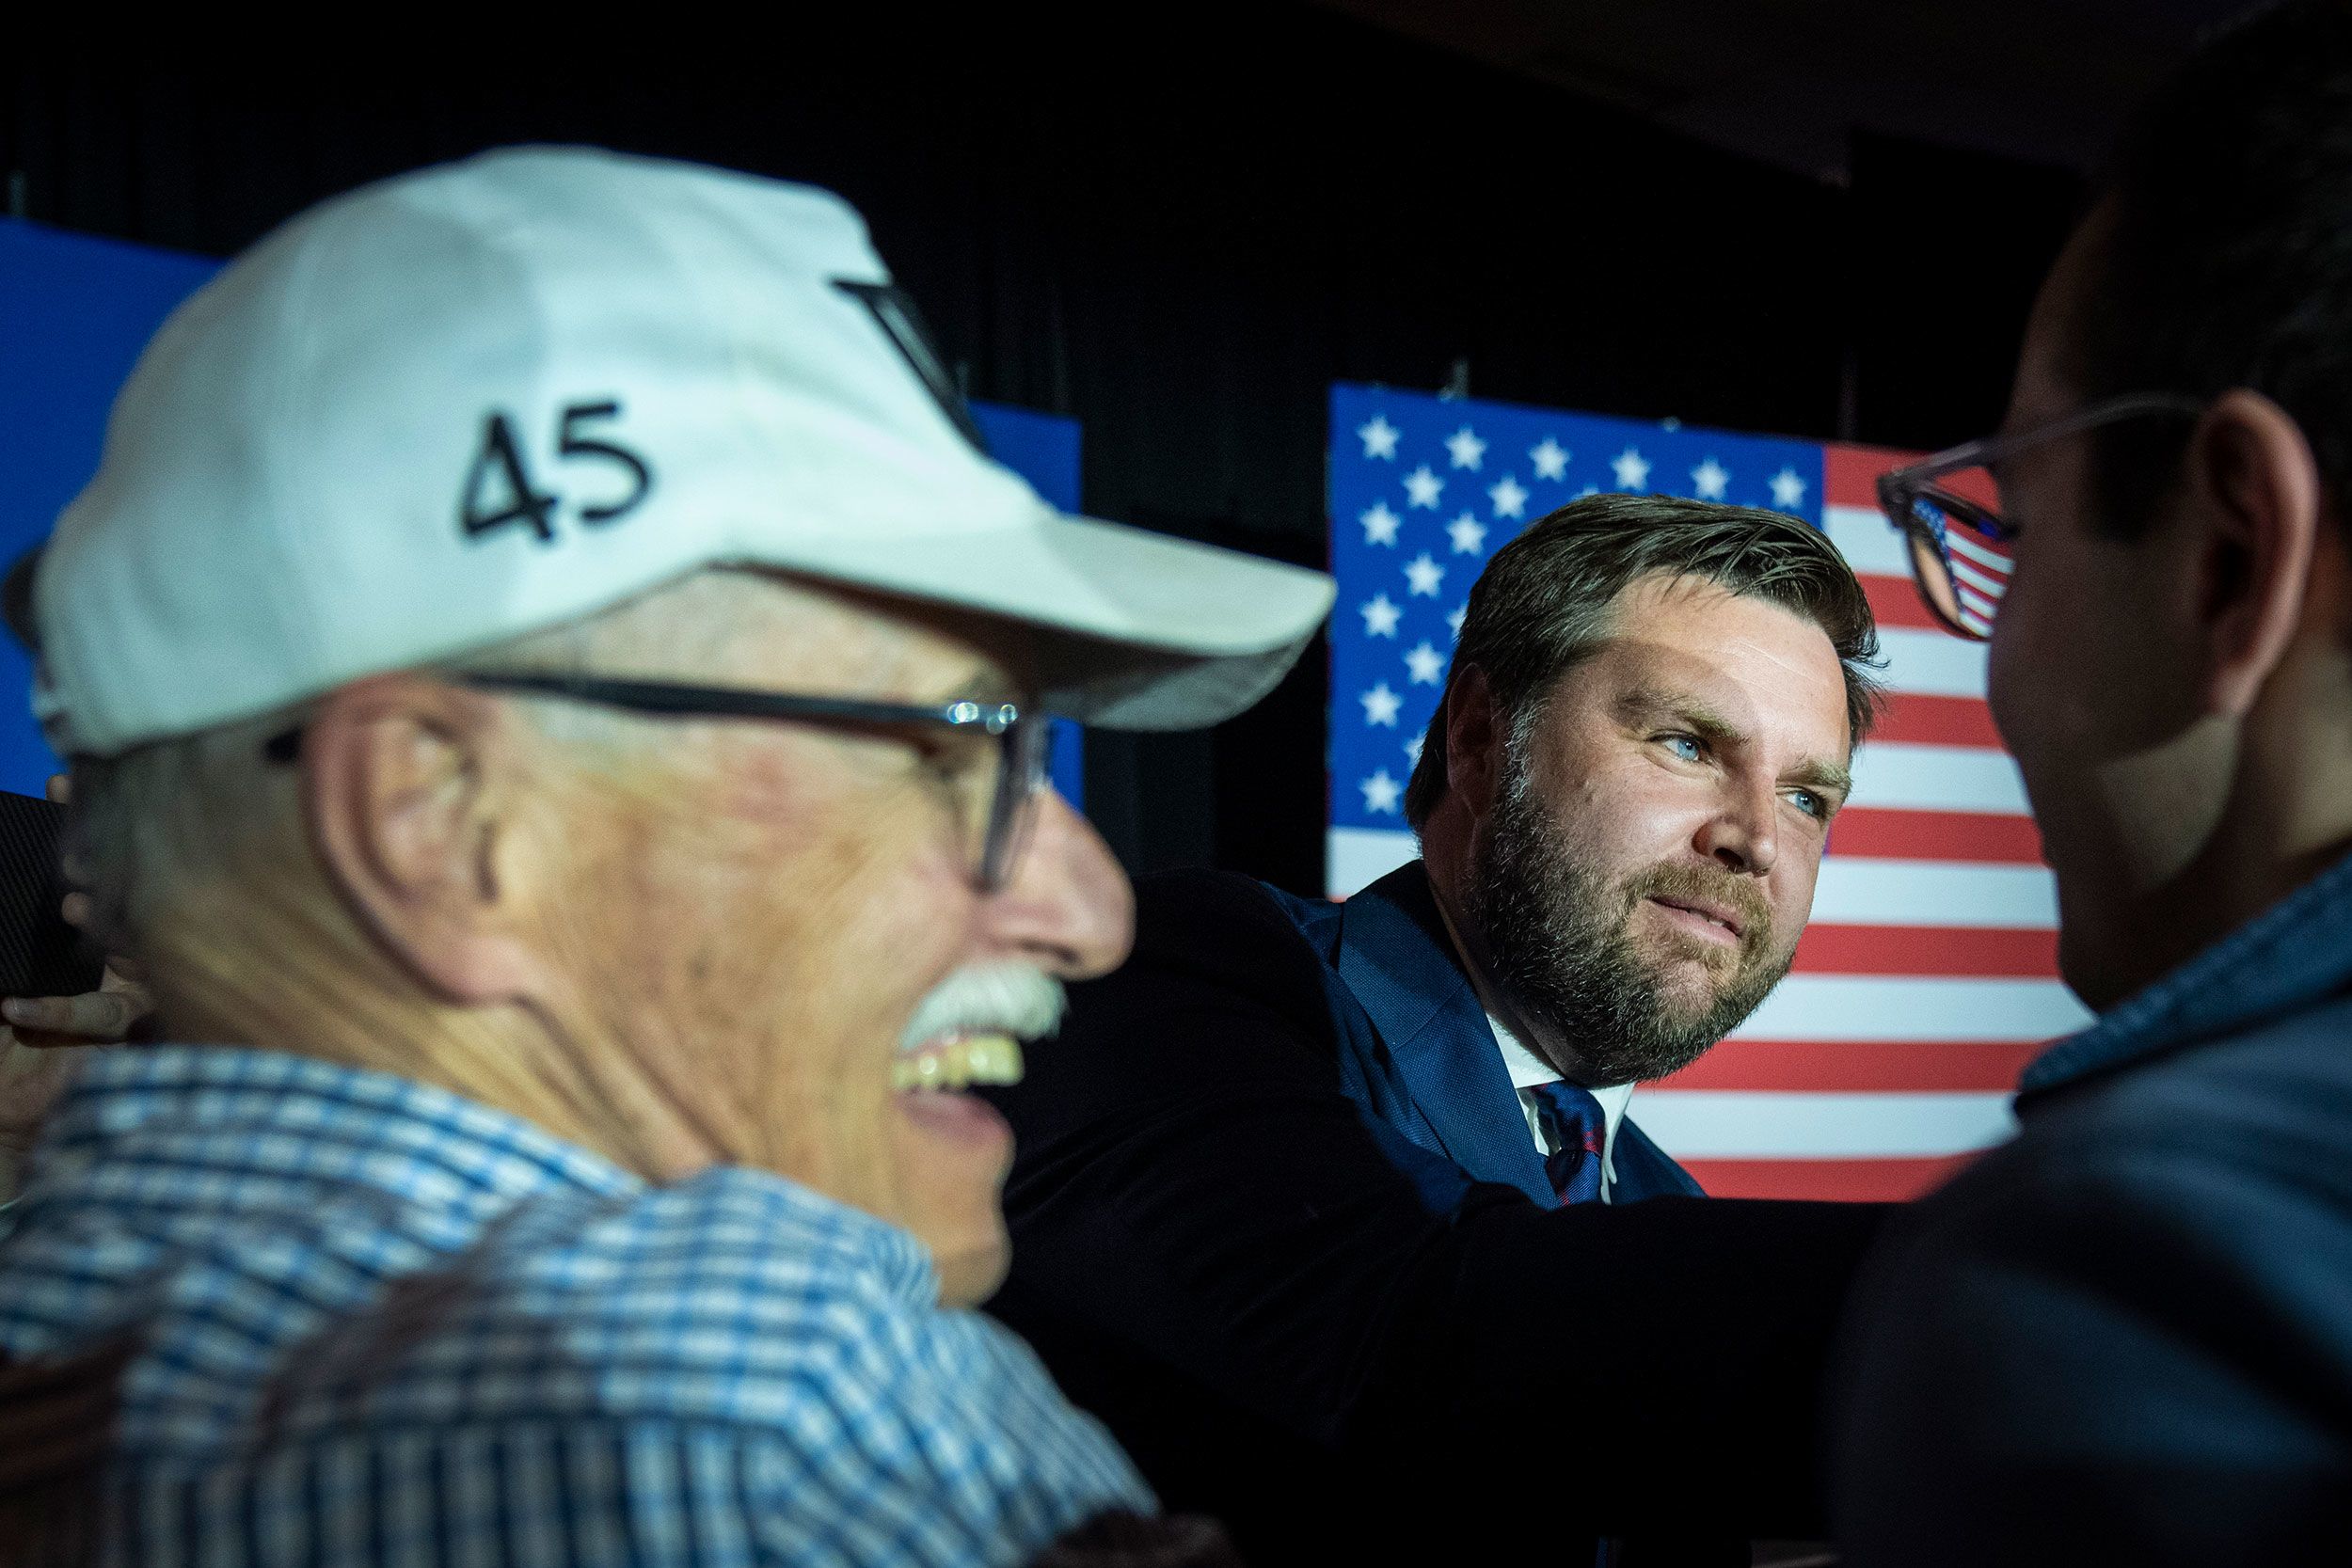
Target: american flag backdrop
1928	976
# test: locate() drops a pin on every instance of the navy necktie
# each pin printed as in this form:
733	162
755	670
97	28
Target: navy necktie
1576	1127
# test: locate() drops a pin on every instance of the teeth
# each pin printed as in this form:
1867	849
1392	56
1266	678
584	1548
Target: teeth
967	1059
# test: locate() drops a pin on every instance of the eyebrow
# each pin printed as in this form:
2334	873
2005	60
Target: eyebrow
1645	703
1704	718
1824	778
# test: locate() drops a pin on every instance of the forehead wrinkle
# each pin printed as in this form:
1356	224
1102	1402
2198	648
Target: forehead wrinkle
1686	591
837	642
1721	674
1794	664
986	683
1651	698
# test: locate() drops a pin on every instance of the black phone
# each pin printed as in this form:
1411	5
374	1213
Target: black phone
39	953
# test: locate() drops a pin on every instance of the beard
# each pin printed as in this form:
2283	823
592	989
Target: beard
1559	939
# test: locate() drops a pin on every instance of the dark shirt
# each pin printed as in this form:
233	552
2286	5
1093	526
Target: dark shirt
1252	1232
2127	1336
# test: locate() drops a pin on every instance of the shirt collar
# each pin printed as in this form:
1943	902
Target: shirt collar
304	1130
2291	955
305	1118
271	1134
1527	1069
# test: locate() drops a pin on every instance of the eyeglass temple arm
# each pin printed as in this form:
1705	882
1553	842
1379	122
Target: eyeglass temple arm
1984	450
663	697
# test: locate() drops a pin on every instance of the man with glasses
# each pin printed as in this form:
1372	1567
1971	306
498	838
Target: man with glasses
2127	1337
554	697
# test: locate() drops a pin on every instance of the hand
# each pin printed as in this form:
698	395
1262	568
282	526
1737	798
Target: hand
102	1017
29	1080
44	1038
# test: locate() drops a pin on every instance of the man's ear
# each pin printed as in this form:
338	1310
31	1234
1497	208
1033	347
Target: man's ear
2261	504
403	785
1472	739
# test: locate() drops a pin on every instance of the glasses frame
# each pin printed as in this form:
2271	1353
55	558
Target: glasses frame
1900	490
1023	738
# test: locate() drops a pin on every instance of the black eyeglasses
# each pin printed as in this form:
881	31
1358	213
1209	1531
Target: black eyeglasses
996	818
1959	542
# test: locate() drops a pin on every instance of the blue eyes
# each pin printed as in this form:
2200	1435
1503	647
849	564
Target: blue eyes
1689	748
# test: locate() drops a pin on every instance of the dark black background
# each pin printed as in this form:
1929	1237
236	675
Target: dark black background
1179	227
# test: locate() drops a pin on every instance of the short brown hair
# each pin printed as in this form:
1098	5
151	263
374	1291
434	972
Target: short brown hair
1542	605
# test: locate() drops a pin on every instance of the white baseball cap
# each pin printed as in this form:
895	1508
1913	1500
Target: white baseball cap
483	399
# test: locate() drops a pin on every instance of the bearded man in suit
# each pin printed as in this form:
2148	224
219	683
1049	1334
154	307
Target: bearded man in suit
1333	1211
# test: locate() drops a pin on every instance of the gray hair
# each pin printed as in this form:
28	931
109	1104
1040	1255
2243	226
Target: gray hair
205	827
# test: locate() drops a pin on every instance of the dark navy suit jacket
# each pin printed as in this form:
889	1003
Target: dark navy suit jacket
1421	1055
1278	1220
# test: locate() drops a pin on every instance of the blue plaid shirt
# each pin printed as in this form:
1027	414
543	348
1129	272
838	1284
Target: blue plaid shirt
381	1323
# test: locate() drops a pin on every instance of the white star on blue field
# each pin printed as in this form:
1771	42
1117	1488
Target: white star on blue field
1424	490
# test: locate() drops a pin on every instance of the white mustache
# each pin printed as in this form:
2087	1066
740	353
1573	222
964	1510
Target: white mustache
987	999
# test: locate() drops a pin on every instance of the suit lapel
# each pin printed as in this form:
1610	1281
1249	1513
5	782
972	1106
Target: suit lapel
1395	959
1645	1170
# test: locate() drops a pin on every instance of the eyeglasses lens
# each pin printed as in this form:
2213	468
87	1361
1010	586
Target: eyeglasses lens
1959	551
1020	778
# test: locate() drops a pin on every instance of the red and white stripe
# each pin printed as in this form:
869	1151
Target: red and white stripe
1928	976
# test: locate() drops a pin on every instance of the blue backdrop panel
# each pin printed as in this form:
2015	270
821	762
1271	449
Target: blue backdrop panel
75	313
1043	450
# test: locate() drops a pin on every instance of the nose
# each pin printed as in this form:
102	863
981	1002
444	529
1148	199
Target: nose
1067	906
1741	834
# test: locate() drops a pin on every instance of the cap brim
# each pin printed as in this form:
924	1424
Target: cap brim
1144	632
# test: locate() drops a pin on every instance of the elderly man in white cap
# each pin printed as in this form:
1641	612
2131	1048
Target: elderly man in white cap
555	699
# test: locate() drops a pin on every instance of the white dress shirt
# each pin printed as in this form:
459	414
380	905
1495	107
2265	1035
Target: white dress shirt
1528	1070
